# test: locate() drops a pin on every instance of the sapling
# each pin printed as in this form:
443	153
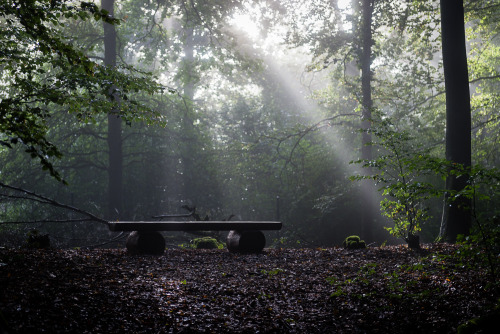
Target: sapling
400	170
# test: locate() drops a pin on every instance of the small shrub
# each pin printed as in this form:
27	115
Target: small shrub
271	272
353	242
482	246
404	171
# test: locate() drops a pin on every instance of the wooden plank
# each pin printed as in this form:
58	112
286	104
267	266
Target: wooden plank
193	225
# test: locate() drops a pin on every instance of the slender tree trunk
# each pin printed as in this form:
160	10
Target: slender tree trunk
187	124
115	167
456	215
367	190
189	63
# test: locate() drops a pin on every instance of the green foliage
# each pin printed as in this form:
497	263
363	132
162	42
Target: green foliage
207	243
364	274
354	242
484	57
401	168
272	272
407	175
43	71
482	246
483	242
395	284
369	269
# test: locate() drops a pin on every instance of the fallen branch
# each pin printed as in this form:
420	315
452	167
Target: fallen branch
32	196
43	221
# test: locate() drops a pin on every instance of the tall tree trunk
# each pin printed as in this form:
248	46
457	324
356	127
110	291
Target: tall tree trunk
115	167
188	153
367	190
456	215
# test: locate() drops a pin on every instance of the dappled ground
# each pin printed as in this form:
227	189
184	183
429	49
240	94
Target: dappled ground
386	290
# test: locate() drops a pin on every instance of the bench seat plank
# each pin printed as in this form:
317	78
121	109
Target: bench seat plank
193	225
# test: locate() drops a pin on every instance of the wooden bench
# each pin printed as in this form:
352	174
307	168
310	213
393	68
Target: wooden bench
243	237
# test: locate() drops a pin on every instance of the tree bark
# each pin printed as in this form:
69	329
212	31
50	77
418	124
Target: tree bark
115	155
188	157
367	189
456	215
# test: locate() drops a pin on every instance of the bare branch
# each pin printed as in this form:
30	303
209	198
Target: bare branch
30	195
484	78
299	135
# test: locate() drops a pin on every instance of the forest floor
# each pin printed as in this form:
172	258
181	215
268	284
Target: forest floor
376	290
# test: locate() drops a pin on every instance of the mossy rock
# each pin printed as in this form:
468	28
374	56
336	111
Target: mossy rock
353	242
206	243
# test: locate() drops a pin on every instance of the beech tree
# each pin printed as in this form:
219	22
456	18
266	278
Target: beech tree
115	154
456	213
367	105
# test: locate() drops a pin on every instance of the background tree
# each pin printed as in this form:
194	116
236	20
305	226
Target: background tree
456	213
115	160
366	57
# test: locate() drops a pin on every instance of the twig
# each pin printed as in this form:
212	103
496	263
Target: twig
484	78
118	237
302	133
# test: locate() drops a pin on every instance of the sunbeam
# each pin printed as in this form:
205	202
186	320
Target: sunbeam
288	67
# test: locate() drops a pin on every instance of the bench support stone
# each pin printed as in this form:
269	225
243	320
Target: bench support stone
145	243
250	241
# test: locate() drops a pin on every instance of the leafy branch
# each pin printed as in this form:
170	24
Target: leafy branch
39	61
